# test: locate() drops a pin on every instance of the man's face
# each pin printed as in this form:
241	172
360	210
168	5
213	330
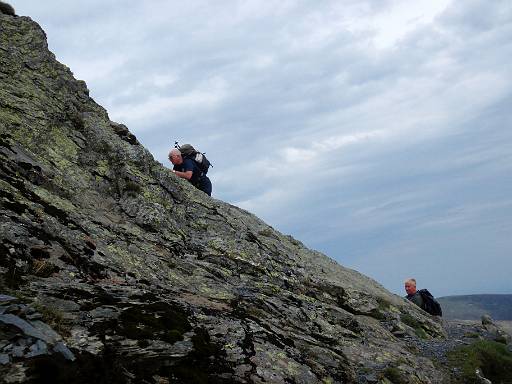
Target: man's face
410	288
176	159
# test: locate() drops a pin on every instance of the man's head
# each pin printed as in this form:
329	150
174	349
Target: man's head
175	156
410	286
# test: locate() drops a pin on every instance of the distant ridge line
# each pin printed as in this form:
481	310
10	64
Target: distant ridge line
472	307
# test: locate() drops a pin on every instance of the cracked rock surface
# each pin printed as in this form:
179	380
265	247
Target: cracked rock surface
113	270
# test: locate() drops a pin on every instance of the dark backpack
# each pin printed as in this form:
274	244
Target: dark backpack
189	152
430	304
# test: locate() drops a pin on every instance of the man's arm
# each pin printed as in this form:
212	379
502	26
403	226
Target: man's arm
188	169
184	175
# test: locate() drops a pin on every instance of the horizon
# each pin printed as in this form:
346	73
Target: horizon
377	133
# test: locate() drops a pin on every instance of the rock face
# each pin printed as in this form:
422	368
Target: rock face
132	275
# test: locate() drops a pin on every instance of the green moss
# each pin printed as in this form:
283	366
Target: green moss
491	357
103	168
9	118
421	333
394	375
215	293
60	146
54	200
132	188
200	224
54	317
415	324
267	232
410	321
256	313
43	268
384	305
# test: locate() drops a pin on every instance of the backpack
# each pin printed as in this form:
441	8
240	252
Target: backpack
430	304
189	152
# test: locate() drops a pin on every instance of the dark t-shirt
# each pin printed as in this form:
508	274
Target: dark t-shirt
189	165
416	299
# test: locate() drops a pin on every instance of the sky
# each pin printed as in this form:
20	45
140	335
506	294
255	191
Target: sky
377	132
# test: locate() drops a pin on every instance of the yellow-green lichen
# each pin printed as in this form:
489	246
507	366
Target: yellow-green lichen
9	118
54	200
215	293
102	167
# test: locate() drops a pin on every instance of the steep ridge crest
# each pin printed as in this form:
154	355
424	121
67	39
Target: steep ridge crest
129	274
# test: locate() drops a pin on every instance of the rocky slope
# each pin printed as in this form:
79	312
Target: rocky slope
113	270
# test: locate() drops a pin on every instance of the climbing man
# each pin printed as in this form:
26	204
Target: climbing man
412	294
187	169
422	298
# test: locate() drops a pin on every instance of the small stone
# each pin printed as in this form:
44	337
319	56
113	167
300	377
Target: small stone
6	298
371	378
34	316
13	308
37	349
487	320
18	351
25	342
61	348
4	359
27	311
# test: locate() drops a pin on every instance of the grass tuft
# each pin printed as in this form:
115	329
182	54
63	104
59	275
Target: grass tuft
491	357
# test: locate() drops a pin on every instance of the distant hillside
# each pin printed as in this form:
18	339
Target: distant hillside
472	307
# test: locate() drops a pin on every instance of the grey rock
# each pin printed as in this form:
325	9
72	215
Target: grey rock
4	359
14	308
34	316
37	349
23	326
50	336
27	311
6	299
61	348
18	351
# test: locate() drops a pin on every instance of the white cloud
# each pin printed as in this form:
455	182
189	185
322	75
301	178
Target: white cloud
399	19
206	97
97	69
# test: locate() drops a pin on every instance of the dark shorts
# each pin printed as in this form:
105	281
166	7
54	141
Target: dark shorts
205	185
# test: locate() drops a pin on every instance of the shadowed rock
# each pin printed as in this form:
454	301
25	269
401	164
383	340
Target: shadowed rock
7	9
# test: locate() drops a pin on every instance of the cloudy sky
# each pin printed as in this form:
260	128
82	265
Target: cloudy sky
378	132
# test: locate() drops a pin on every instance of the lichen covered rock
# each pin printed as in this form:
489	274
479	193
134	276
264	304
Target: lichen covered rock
152	280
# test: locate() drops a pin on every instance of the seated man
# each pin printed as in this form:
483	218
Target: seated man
187	169
412	294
